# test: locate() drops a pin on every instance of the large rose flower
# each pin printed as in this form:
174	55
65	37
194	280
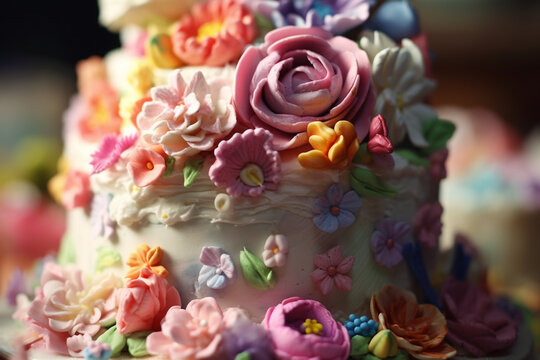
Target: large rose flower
291	338
301	75
474	321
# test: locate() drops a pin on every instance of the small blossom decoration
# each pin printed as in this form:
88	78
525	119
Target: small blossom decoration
387	241
331	270
376	154
145	166
145	257
275	251
102	225
110	149
218	268
437	162
76	192
336	209
96	350
427	225
246	164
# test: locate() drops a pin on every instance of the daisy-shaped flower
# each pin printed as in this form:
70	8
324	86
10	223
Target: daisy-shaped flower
110	149
336	209
332	269
373	42
401	86
387	241
218	268
427	225
275	251
145	166
145	257
246	164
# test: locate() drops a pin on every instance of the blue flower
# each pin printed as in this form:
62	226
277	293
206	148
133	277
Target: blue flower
218	268
336	209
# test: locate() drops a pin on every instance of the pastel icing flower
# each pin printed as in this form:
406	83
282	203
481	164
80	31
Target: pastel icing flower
427	224
289	339
332	269
401	86
193	333
246	164
159	50
475	322
437	164
145	257
16	286
336	209
302	75
77	343
376	154
418	329
215	33
145	166
218	268
90	73
187	118
143	302
387	241
110	149
76	192
102	225
97	350
246	337
275	251
332	148
373	42
336	16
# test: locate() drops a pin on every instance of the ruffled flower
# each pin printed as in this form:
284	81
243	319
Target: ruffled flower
145	257
290	340
145	166
275	251
336	209
419	329
332	269
143	302
246	164
245	336
102	225
76	192
302	75
110	149
437	164
336	16
427	224
332	148
187	118
215	33
218	268
387	241
398	77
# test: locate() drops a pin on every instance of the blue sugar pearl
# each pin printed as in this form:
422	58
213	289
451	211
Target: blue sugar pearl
364	327
371	323
357	322
351	333
364	318
372	332
357	330
352	317
349	325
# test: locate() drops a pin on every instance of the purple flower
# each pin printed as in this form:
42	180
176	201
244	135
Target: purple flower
109	151
218	268
387	241
336	16
245	336
246	164
16	286
336	209
101	223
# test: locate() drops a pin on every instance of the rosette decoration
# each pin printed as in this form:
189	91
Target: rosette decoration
302	75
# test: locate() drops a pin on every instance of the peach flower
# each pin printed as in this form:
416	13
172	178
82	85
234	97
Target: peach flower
76	192
419	329
145	257
145	166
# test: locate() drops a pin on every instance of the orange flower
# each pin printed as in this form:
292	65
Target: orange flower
419	329
333	148
145	257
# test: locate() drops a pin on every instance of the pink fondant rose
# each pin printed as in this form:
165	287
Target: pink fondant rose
286	324
144	302
301	75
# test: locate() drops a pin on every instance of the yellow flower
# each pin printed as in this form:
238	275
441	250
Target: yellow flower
332	148
58	181
145	257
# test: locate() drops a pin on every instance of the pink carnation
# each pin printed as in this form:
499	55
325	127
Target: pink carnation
427	225
76	191
109	151
145	166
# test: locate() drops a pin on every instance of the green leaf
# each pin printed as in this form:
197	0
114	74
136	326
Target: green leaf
169	166
437	133
116	341
255	272
359	346
263	24
366	183
192	169
412	157
107	258
137	346
362	156
243	356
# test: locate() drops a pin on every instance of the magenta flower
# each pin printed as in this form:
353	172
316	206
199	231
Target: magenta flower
332	269
379	147
145	166
246	164
387	241
110	149
427	225
336	209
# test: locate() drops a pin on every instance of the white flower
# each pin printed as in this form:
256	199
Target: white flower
401	87
373	42
275	251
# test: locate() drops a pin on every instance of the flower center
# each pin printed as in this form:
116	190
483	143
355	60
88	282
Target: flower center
149	165
334	210
331	271
218	271
275	250
312	326
210	29
390	243
203	323
252	175
100	117
399	102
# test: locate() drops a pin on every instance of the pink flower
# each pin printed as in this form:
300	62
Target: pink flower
379	143
332	269
77	343
427	225
110	149
215	33
145	166
76	191
284	322
387	241
143	302
193	333
437	162
301	75
246	164
275	251
187	118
